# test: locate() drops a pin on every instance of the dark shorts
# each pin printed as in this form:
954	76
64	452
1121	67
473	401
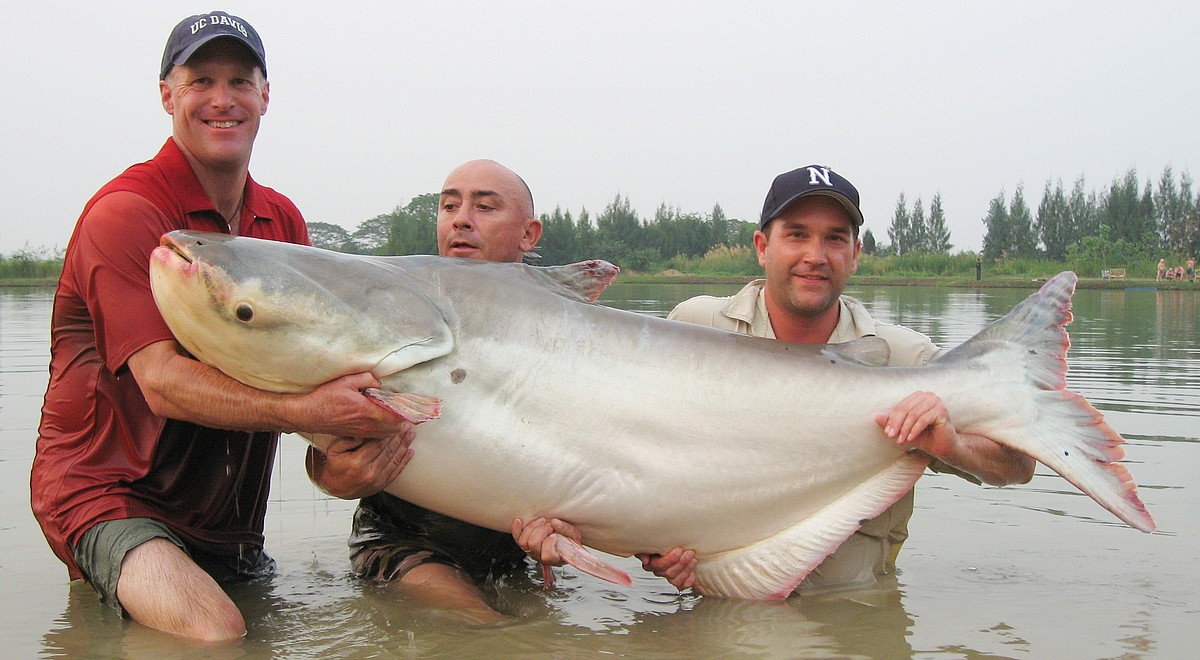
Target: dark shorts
102	548
390	537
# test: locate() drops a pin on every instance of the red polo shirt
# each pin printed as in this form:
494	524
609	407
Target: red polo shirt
101	454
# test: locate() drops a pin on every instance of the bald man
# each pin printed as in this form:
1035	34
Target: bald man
485	212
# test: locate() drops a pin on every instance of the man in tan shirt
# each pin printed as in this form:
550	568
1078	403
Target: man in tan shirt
808	245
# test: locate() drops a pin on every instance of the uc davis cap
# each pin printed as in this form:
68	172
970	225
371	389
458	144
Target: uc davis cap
195	31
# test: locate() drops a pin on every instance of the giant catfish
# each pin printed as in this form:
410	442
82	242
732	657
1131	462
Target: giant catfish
645	433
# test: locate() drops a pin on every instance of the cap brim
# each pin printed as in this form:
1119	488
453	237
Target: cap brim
855	215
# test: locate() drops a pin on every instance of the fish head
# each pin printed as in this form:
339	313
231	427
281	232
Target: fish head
287	318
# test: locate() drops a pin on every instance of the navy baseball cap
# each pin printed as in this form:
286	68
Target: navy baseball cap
195	31
810	180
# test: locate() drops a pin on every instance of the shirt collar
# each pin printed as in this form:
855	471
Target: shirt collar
750	307
187	189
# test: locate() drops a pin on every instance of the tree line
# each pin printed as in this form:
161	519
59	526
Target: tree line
912	231
1127	220
617	234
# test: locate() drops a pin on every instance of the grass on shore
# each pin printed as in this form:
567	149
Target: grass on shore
997	282
952	281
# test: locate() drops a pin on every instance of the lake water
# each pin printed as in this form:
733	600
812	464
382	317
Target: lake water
1032	571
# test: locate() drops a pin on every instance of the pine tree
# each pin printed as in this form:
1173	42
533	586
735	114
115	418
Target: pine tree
1190	220
1083	212
617	229
1170	211
720	232
917	230
1053	223
868	242
1024	242
938	232
1121	210
1149	230
899	232
559	237
998	235
585	232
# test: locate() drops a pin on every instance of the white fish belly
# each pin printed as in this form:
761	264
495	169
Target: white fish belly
646	439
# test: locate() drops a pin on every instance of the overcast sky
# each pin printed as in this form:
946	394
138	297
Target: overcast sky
688	103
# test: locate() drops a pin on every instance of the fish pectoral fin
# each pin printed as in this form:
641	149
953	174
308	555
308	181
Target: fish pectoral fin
413	407
576	555
870	350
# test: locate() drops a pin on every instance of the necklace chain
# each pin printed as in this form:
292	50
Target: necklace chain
232	221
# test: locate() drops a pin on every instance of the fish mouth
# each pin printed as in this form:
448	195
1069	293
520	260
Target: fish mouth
191	251
174	254
169	243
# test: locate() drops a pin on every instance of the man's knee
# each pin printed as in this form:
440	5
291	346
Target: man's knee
448	587
437	574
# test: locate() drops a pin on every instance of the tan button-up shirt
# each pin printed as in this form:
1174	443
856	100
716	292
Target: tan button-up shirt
872	549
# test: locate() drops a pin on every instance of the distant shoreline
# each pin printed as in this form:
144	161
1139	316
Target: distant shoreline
24	283
1006	282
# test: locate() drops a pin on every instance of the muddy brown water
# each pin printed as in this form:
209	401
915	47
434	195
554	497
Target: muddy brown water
1032	571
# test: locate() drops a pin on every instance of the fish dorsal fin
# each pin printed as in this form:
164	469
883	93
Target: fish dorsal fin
584	281
870	351
1036	325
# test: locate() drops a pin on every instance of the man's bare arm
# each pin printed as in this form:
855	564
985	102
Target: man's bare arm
179	387
921	421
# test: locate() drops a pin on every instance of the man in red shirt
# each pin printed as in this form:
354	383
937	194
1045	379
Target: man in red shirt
152	469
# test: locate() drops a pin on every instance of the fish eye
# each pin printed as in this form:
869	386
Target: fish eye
244	312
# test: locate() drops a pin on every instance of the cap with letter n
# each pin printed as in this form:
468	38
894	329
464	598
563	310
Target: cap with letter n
195	31
805	181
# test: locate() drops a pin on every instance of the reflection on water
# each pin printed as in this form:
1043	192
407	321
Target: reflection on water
1030	571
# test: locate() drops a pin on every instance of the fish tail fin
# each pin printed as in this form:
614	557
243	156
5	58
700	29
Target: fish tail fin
1077	443
1064	432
